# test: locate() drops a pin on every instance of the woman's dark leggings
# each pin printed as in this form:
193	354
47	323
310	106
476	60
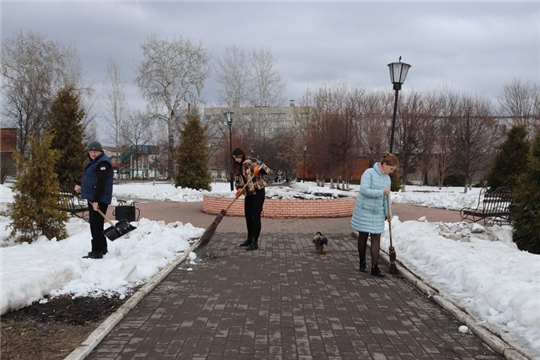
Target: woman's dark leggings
253	206
375	247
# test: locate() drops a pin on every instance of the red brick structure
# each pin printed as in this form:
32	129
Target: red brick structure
285	209
8	145
8	139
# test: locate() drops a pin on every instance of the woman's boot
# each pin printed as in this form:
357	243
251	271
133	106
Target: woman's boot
363	266
247	242
375	271
253	246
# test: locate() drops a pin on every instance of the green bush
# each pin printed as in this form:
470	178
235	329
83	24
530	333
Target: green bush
510	162
526	219
454	180
396	182
191	156
35	210
65	116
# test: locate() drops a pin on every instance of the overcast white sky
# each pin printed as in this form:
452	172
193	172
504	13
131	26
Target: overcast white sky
472	47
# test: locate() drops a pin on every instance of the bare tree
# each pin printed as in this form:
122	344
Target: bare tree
521	102
171	75
331	130
429	133
409	133
286	146
234	73
135	132
267	88
33	70
372	139
445	119
114	108
473	138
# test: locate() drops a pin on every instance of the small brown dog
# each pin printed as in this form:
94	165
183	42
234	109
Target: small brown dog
321	243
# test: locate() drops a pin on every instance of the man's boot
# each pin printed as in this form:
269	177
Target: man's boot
253	246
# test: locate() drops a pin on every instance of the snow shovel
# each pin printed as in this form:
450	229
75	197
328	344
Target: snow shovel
208	233
391	250
115	231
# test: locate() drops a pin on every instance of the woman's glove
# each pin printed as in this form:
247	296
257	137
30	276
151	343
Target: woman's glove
239	192
256	170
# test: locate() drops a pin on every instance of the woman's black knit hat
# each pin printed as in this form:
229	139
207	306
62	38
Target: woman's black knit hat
239	152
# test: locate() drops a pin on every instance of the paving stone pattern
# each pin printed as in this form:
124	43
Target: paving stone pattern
286	301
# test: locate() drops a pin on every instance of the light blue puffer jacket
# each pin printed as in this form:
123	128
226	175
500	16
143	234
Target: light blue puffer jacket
370	210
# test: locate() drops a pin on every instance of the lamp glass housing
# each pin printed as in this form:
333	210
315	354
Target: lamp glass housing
229	117
398	72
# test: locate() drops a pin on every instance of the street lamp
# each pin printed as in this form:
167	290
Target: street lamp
398	73
304	171
229	116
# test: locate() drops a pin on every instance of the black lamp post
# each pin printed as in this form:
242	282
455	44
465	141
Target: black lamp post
304	171
229	116
398	73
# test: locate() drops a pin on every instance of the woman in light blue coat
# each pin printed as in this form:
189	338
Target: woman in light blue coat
371	210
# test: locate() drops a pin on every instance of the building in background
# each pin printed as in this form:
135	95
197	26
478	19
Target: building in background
255	122
8	146
136	162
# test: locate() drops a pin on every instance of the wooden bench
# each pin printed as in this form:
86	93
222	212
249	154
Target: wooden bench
496	205
72	203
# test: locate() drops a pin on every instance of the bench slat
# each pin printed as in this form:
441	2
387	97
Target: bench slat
72	204
496	204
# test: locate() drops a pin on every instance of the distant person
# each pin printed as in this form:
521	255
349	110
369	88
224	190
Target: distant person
371	209
254	173
96	186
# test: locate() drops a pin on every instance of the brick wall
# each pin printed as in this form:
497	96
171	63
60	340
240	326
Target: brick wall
8	139
273	208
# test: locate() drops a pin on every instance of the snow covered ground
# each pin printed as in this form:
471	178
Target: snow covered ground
479	268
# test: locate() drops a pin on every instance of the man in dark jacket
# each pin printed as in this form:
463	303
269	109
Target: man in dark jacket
96	186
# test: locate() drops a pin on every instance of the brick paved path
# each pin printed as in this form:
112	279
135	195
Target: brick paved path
285	301
191	212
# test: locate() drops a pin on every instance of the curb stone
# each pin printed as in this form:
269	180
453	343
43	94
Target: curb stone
106	327
492	340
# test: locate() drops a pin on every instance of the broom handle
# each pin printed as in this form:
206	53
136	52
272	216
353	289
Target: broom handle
102	214
390	222
243	188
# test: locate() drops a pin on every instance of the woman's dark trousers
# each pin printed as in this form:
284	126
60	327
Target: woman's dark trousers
253	206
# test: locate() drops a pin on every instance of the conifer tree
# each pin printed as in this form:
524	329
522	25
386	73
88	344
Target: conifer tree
511	161
35	209
65	117
526	218
395	184
192	155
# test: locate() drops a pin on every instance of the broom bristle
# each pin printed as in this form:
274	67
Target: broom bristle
209	232
392	256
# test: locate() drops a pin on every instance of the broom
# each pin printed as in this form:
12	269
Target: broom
391	250
209	232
